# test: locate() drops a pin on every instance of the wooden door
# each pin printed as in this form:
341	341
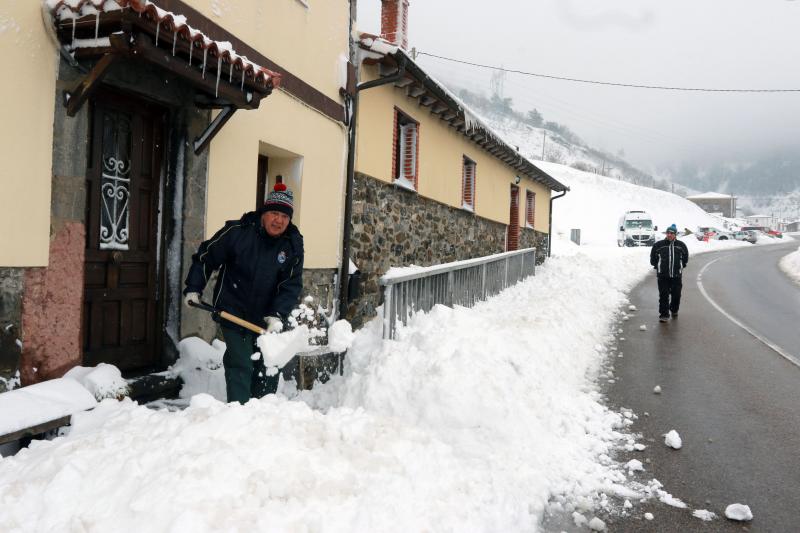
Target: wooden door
512	237
121	318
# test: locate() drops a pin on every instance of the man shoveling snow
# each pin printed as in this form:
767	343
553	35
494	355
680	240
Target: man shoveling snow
260	262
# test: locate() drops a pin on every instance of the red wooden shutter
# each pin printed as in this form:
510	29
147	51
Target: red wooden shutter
530	204
512	241
468	184
408	153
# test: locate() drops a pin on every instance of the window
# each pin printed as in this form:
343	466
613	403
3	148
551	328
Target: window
468	184
406	149
530	206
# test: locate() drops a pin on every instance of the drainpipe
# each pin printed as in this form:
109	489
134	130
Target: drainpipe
550	222
344	272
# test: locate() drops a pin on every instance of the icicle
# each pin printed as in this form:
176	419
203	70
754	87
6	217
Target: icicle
205	55
73	32
97	25
219	71
230	80
191	49
158	27
174	42
244	71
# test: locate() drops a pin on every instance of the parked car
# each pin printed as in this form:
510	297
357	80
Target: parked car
765	230
750	236
712	233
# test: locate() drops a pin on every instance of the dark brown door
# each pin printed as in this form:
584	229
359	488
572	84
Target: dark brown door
512	238
120	316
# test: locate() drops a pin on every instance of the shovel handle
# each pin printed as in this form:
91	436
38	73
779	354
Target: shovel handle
230	318
244	323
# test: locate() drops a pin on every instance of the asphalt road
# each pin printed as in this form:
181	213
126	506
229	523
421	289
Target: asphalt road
734	400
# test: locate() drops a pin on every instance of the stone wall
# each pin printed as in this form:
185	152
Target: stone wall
530	238
394	227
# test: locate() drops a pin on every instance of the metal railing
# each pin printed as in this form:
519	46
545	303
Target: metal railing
460	283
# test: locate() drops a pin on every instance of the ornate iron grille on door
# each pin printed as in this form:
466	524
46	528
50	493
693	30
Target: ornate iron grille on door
115	183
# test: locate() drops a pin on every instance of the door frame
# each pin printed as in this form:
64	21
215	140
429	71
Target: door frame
114	97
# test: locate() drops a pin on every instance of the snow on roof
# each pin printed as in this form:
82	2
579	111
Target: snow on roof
378	47
758	216
710	196
74	9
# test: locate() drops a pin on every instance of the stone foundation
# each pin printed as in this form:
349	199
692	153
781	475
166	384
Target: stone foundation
395	227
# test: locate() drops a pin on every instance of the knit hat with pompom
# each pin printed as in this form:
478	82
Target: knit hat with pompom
280	199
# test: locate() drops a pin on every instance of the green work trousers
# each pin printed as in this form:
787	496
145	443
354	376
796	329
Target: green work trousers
245	378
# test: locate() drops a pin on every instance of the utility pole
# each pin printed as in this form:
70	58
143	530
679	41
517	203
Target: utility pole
544	139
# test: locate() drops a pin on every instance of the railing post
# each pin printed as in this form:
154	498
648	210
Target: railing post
387	312
483	281
450	288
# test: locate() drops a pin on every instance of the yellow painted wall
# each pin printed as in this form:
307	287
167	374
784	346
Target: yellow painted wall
441	151
28	58
308	41
317	176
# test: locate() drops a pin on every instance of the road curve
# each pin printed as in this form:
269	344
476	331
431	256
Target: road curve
733	399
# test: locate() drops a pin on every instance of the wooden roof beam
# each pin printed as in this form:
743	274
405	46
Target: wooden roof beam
415	91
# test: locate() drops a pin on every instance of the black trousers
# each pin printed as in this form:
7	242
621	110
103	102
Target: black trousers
669	295
245	378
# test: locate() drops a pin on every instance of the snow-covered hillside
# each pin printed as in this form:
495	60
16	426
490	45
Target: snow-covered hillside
595	204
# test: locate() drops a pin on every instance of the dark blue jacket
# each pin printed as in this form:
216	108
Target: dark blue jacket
669	258
258	275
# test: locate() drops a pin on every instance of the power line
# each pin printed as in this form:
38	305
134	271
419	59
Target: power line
613	84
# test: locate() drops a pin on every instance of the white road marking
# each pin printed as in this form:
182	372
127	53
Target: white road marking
789	357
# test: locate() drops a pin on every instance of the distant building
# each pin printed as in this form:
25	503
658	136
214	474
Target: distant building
791	227
714	202
761	220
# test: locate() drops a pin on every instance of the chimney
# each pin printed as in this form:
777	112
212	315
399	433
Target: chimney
394	22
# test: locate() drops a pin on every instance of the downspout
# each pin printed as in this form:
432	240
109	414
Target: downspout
344	272
550	222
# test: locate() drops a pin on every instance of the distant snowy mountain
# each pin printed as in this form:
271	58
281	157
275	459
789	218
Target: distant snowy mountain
541	140
770	185
595	203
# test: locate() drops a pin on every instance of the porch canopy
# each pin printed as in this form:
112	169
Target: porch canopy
112	30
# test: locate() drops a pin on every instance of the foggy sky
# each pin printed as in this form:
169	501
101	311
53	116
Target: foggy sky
752	44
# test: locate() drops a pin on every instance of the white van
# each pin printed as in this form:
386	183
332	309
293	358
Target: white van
636	228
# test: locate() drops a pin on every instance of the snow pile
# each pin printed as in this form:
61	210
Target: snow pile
340	336
278	349
424	432
738	511
673	440
704	515
103	380
790	264
200	367
40	403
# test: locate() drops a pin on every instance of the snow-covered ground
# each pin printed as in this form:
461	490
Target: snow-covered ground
478	419
790	264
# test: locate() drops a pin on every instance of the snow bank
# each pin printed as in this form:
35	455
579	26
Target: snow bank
103	380
200	367
42	402
790	264
473	419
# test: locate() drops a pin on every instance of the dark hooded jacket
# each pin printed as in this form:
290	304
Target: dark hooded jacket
669	258
259	275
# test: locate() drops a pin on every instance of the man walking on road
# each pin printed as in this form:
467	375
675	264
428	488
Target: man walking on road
669	258
260	264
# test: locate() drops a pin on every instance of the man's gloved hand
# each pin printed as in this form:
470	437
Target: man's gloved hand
274	324
191	298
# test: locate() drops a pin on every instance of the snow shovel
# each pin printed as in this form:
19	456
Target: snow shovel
278	349
229	317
